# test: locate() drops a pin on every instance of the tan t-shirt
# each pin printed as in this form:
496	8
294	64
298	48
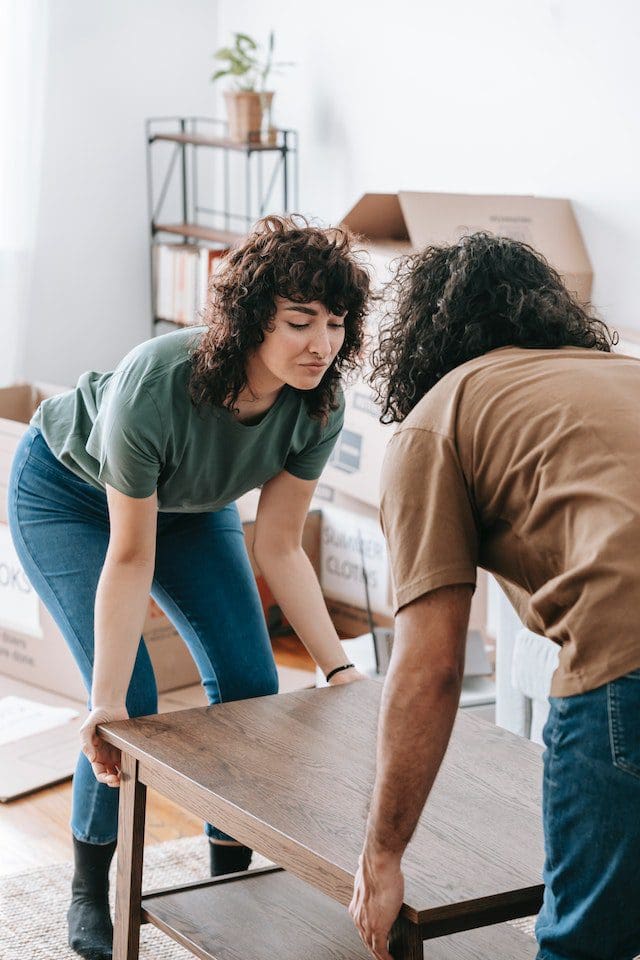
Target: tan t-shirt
527	463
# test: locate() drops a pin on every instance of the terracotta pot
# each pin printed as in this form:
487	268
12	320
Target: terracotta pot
246	112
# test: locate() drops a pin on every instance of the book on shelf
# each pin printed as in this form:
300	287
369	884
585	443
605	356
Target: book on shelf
181	275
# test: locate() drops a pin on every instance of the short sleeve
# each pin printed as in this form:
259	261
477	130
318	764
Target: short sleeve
309	463
427	515
126	440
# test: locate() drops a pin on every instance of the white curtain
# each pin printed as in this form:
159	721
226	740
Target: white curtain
23	46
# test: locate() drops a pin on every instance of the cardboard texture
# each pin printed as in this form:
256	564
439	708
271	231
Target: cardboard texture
397	223
356	461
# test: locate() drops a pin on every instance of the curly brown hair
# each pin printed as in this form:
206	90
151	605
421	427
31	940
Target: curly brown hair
449	304
281	257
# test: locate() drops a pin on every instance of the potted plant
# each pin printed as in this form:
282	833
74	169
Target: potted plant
249	103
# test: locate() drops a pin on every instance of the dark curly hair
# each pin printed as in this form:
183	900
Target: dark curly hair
281	257
448	304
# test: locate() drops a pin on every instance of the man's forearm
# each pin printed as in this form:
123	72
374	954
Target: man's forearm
416	718
295	586
121	603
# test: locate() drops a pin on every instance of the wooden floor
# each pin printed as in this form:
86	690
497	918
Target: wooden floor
34	831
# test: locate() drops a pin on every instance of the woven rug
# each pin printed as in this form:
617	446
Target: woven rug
33	905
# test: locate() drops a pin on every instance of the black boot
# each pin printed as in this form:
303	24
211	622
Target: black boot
228	858
90	927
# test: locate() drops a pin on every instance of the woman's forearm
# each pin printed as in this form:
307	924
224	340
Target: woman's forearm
121	603
295	586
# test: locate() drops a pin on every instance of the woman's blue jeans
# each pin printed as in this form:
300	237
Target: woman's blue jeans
591	799
202	581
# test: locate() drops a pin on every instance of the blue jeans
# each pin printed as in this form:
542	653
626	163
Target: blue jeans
203	582
591	809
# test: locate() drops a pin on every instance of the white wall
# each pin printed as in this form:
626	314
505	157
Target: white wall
110	65
499	96
532	96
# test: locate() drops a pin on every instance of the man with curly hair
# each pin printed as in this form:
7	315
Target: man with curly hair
518	451
127	485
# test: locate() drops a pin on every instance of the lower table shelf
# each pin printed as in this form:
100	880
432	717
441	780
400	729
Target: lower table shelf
267	914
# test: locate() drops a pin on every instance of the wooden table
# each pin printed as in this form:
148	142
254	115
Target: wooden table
291	776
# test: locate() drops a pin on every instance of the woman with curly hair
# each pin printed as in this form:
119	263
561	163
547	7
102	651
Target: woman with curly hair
127	485
517	451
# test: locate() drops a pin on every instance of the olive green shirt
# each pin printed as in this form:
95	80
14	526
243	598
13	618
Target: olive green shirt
137	430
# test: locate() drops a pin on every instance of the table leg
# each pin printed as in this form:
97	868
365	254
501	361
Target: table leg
405	941
131	813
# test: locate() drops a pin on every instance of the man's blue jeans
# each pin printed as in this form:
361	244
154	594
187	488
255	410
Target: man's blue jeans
591	805
203	581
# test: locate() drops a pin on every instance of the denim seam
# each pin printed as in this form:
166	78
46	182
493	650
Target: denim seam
615	735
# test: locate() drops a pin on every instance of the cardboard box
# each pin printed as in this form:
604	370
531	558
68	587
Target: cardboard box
354	570
393	224
337	535
32	648
397	223
356	460
18	403
353	616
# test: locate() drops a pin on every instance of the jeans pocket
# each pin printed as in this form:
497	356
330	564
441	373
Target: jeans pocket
624	722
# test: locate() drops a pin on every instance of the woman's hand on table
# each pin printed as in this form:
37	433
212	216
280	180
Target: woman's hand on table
103	757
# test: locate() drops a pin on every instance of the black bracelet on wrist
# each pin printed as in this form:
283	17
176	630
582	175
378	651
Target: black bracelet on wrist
345	666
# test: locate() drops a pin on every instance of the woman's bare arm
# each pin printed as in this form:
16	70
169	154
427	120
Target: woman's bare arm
282	511
121	603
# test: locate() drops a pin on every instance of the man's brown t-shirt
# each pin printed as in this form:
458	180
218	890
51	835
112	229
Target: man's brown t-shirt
527	463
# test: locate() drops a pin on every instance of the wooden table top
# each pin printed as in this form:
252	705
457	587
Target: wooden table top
291	775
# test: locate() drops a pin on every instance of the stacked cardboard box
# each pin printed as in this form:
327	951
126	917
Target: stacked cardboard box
393	225
31	646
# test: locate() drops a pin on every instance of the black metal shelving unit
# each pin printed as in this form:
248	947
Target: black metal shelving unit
269	168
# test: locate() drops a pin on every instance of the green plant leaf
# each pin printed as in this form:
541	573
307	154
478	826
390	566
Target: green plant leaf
245	60
218	74
245	38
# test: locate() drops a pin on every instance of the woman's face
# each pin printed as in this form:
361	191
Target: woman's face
302	344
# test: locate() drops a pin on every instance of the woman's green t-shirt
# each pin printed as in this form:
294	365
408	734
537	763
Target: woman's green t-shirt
137	430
